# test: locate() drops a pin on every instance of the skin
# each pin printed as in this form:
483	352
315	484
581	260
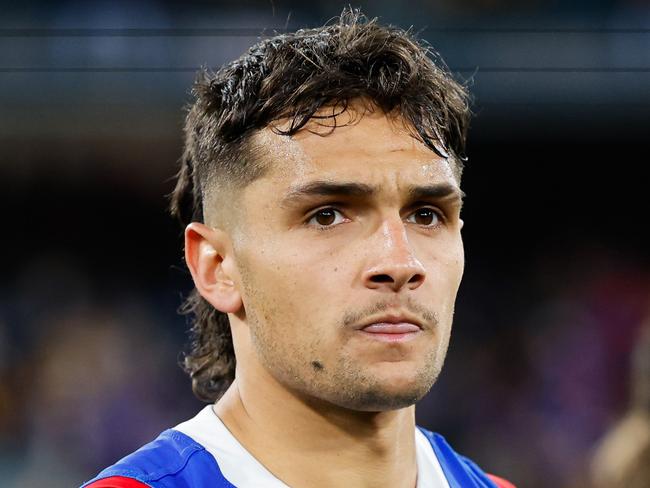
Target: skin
316	400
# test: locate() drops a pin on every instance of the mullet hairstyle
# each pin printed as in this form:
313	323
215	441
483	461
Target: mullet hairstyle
291	77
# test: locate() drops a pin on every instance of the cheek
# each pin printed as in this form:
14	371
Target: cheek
282	288
303	265
445	264
456	265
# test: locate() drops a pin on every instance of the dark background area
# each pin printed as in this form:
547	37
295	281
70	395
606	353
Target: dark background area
557	282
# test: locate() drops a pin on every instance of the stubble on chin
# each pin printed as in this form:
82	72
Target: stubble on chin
361	390
341	380
346	383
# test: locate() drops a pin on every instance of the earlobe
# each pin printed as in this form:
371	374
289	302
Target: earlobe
209	257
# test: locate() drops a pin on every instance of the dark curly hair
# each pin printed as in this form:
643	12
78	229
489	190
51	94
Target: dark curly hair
291	77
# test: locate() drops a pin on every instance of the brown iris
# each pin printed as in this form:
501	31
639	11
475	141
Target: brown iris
424	216
325	216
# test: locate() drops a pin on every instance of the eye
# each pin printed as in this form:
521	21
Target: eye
326	217
425	216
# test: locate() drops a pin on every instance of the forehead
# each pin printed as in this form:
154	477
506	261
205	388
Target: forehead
370	148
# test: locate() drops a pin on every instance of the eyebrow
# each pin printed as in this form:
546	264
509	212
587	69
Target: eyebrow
326	188
442	190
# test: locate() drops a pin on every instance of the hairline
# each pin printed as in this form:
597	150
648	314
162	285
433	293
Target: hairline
219	191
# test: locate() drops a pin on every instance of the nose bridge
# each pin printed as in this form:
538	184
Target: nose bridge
392	262
394	240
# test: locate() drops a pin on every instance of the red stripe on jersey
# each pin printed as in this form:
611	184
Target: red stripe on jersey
117	482
500	482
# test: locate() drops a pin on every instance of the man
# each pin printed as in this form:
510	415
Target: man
320	185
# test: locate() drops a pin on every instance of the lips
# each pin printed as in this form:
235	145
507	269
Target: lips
391	322
391	328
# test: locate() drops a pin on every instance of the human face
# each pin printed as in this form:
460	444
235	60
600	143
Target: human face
350	257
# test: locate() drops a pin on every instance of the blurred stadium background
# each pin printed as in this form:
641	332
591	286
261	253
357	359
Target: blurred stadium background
557	282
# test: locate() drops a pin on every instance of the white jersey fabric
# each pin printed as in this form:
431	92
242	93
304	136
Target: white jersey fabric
241	469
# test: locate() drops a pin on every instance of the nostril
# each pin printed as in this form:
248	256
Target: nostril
416	277
381	278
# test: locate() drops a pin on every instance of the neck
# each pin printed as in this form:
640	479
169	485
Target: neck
308	442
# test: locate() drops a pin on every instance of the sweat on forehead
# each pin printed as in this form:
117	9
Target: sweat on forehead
361	130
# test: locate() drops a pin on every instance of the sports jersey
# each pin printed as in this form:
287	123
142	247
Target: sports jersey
202	453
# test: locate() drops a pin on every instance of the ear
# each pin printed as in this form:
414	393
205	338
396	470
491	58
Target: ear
209	257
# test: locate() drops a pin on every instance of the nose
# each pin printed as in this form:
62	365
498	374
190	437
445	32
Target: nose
392	264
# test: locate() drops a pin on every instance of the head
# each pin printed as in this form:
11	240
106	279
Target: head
322	172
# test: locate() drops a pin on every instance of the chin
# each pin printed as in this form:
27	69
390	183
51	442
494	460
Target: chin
385	394
381	400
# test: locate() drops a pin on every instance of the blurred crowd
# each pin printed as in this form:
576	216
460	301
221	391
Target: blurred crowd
560	375
84	378
89	375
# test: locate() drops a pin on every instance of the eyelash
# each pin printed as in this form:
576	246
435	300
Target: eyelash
439	214
322	227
